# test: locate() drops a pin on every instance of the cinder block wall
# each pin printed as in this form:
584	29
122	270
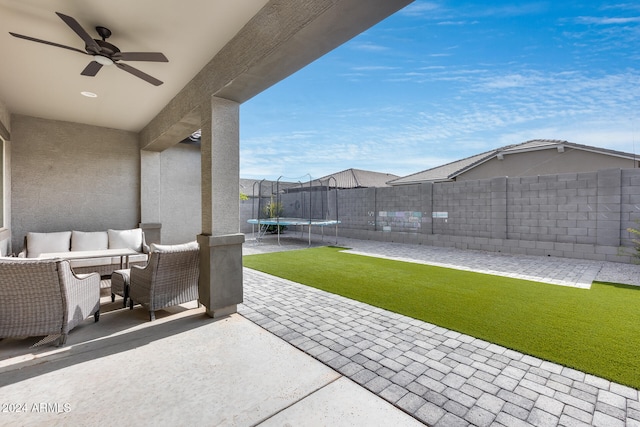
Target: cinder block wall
629	203
468	208
576	215
553	208
249	209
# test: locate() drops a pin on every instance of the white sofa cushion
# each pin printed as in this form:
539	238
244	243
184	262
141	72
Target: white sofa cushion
125	239
89	241
174	248
38	243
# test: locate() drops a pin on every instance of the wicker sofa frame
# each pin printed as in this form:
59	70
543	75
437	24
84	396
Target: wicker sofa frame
44	297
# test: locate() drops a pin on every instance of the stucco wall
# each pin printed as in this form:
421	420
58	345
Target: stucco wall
545	162
180	197
5	223
68	176
5	121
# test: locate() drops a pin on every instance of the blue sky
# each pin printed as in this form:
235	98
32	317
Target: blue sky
440	81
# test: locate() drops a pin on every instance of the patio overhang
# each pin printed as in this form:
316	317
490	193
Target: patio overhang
241	48
277	42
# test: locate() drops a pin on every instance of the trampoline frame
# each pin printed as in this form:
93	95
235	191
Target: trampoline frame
264	223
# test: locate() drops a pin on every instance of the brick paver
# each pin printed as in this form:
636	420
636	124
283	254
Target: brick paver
439	376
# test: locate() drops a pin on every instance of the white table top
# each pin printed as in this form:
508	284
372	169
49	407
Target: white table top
103	253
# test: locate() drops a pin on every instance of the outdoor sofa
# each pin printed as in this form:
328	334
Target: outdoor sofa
44	297
65	241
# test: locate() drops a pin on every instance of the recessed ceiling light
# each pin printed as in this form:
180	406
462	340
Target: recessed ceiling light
88	94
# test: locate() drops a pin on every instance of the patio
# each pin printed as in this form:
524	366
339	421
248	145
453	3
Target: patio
297	355
183	369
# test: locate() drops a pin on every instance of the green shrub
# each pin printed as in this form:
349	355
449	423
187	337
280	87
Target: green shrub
274	210
636	240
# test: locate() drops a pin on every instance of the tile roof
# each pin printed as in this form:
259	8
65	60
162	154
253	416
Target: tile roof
265	187
350	178
357	178
449	171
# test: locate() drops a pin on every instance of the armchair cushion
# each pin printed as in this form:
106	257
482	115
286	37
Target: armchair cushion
169	278
125	239
89	241
174	248
38	243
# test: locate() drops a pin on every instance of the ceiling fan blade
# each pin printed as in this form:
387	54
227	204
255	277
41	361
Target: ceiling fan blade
75	26
144	76
20	36
141	56
91	69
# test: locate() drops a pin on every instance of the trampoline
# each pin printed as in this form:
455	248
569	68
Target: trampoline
263	225
292	203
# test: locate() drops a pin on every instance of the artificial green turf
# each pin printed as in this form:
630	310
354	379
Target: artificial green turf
595	330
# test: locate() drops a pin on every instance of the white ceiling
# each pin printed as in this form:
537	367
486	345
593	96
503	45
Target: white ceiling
44	81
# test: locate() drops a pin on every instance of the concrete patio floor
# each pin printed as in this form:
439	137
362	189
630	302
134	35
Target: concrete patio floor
183	369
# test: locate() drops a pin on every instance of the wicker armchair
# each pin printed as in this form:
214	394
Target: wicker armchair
169	278
43	297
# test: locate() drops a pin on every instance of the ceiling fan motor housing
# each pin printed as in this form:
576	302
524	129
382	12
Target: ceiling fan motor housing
103	32
106	48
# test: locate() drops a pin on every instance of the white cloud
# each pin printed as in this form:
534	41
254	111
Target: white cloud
622	6
488	112
607	20
424	111
367	46
374	68
452	23
419	8
509	81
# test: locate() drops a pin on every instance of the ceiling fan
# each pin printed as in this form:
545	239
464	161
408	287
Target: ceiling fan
103	52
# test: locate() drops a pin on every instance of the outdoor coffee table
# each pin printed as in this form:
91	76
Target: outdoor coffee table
124	255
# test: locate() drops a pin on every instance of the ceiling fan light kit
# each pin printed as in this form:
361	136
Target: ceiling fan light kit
102	60
103	52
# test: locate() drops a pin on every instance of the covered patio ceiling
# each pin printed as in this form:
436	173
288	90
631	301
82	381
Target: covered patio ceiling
45	81
231	49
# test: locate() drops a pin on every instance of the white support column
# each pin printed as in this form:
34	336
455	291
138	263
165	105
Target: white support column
220	284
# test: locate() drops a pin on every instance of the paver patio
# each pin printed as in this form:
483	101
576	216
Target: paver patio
442	377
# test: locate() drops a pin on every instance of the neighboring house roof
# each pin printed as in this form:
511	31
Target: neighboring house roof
250	186
246	186
450	171
357	178
350	178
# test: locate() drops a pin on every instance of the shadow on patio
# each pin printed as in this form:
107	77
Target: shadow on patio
184	368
